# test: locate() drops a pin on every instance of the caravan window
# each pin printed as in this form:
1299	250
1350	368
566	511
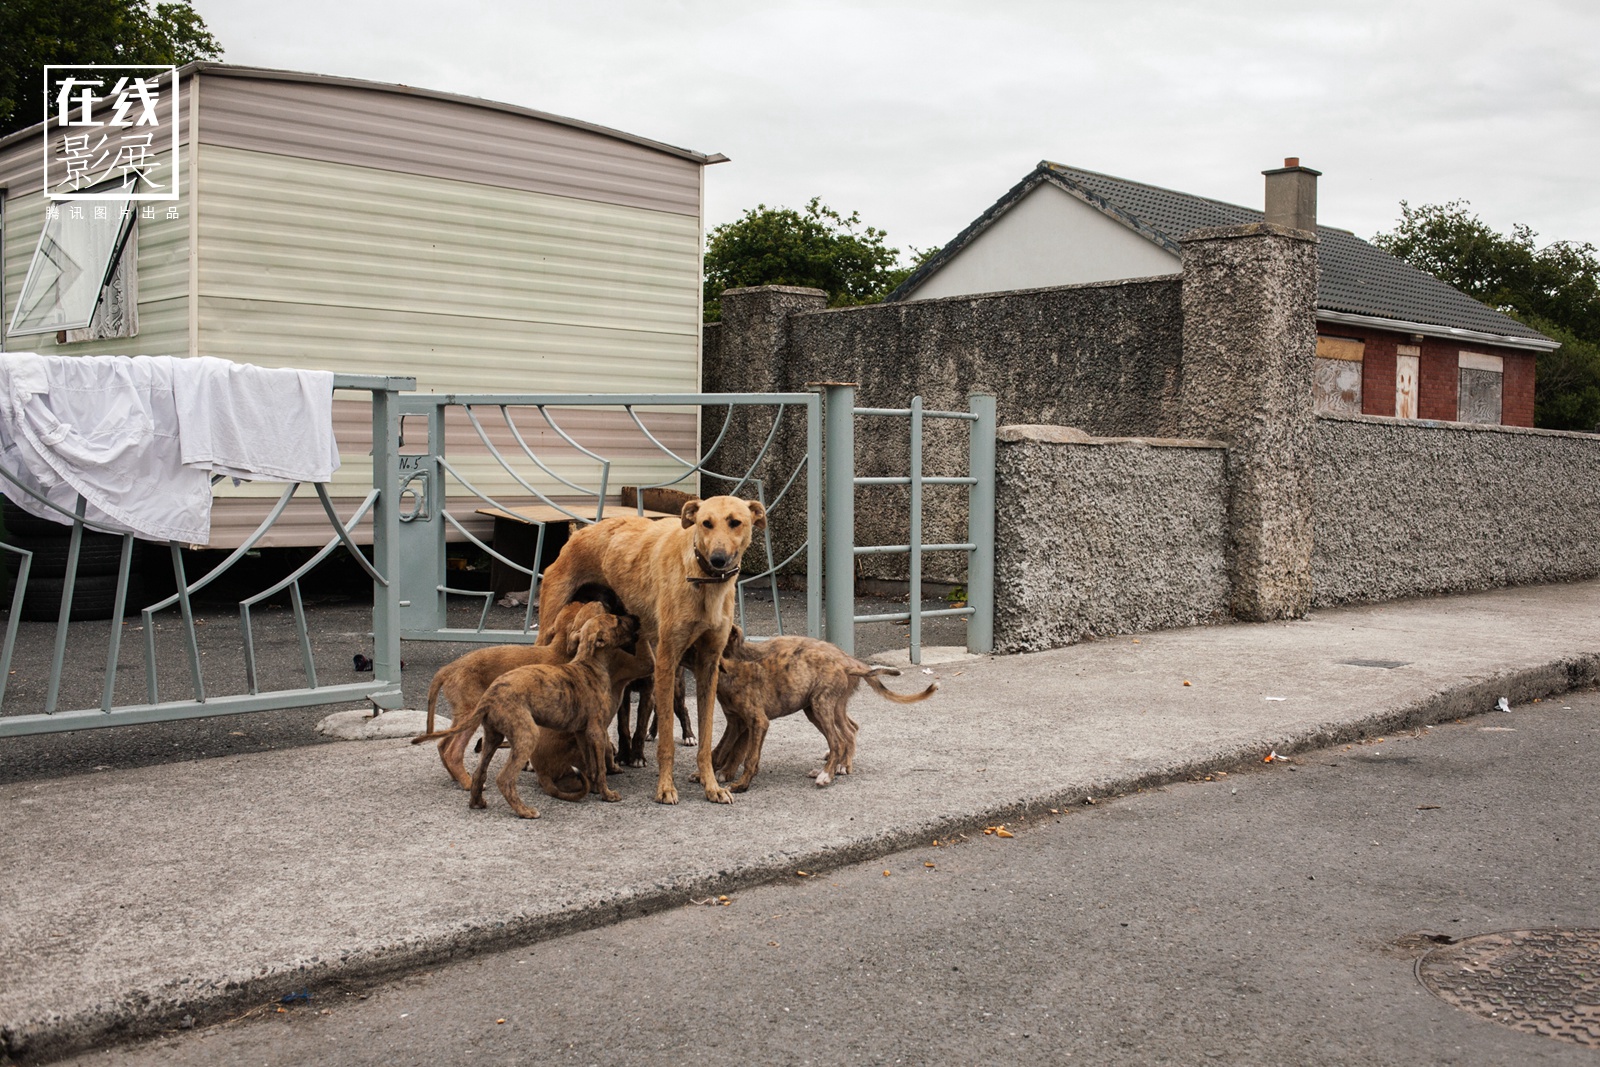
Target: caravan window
73	265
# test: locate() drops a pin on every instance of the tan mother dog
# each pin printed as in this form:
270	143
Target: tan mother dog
679	579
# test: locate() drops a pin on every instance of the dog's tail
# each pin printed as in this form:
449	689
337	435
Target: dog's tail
461	725
574	795
433	698
870	675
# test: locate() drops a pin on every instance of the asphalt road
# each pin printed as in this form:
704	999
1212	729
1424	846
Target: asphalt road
1271	916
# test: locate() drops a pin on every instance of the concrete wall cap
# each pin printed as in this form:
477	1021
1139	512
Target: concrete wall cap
1247	229
796	289
1455	427
1071	435
973	298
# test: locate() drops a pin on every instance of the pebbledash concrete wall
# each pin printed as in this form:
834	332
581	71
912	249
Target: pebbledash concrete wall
1099	536
1404	508
1103	357
1252	509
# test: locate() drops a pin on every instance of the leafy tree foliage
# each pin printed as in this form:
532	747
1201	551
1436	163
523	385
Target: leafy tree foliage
1554	289
819	247
34	33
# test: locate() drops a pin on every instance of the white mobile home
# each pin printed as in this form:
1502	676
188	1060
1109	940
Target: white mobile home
329	223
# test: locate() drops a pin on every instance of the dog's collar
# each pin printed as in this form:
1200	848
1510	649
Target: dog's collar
713	576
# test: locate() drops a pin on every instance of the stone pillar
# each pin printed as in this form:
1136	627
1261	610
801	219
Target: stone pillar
749	354
1249	341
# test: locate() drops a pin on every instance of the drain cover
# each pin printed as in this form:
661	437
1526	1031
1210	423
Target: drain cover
1385	664
1537	981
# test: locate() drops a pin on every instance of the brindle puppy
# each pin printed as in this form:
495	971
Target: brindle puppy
573	698
766	680
462	681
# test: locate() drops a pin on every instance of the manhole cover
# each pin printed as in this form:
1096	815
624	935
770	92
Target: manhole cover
1538	981
1384	664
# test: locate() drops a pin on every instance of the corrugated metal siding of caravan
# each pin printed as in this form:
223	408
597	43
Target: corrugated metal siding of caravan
455	283
410	132
475	246
474	249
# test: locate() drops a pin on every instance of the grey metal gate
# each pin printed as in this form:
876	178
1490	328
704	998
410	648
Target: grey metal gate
528	451
842	482
519	458
200	699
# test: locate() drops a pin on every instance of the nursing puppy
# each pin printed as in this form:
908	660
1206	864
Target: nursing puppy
766	680
462	681
571	698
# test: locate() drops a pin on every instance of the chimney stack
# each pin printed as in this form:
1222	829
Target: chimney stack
1292	196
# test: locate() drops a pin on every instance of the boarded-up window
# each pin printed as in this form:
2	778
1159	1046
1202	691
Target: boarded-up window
1336	377
1407	380
1480	389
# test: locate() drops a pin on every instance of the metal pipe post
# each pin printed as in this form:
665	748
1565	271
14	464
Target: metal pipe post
916	531
386	547
839	512
980	523
813	517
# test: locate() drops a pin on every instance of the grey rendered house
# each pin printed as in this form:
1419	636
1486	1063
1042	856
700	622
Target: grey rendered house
1392	340
336	224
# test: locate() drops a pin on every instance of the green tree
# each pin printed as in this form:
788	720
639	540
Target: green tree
1554	289
819	248
34	33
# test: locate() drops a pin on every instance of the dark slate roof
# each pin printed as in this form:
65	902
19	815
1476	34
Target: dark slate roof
1356	277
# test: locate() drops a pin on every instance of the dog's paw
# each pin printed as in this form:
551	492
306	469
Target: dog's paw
719	795
824	779
637	761
687	741
476	802
610	796
667	794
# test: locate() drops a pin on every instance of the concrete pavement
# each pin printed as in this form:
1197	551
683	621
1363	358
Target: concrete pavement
133	898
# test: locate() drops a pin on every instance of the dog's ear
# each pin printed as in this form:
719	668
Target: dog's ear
691	508
735	639
574	638
758	514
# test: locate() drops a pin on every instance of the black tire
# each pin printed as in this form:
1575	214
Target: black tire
93	597
21	525
99	554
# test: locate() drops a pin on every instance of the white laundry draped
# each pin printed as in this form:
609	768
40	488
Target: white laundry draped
140	436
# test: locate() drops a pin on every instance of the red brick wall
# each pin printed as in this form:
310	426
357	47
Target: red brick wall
1439	372
1516	408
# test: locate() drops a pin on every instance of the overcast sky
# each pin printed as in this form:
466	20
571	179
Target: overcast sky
919	116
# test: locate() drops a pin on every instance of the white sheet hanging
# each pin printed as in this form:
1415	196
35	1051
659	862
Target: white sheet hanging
106	427
140	436
254	422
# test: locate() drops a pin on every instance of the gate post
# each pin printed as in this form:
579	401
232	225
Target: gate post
422	526
980	523
386	544
839	511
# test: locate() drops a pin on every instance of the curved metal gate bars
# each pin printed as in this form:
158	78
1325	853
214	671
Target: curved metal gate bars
535	484
384	688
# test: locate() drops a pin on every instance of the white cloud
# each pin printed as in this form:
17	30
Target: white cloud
921	115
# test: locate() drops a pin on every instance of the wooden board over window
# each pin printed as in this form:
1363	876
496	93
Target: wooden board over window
1343	348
